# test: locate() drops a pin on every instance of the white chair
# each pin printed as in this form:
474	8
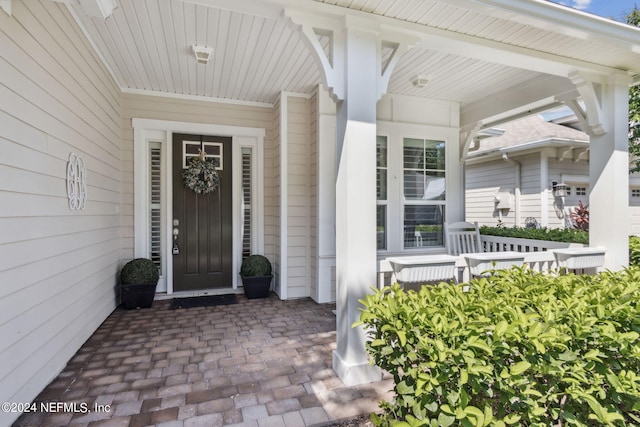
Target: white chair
462	238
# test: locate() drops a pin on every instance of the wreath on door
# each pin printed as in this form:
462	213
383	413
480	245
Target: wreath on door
201	176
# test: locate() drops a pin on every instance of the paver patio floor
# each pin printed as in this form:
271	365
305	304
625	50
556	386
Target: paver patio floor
260	363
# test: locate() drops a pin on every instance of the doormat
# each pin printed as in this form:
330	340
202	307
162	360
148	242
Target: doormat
204	301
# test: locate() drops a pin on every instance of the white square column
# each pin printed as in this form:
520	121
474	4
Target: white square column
356	204
609	177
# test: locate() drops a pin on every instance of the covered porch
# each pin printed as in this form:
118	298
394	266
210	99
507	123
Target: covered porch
304	96
255	364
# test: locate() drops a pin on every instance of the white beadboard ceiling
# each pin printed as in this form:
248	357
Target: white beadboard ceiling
146	44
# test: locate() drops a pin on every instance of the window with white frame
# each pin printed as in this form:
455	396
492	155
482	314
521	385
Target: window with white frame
635	193
581	191
424	192
381	192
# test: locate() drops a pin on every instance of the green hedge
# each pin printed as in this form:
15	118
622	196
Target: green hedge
567	235
634	251
517	348
559	235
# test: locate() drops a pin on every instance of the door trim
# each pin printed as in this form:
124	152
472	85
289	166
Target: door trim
150	130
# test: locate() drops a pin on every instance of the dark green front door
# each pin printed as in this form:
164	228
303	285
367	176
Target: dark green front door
203	222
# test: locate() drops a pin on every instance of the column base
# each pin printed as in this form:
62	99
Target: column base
355	374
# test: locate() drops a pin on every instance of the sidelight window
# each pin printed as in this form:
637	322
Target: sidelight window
246	210
155	191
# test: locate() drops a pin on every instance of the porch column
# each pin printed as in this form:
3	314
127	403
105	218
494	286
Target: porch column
356	203
609	176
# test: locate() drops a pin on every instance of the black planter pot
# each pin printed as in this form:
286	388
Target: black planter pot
137	296
257	286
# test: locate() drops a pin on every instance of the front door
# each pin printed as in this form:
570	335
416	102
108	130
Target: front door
202	256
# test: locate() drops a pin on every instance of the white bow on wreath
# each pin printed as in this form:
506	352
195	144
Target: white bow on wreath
201	176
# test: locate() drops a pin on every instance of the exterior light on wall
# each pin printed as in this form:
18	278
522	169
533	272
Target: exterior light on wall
559	189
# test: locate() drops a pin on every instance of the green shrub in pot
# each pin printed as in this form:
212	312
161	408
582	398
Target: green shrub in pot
255	265
256	276
138	281
138	271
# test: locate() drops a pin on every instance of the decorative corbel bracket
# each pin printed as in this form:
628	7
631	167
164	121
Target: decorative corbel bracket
391	47
592	114
581	155
6	6
325	37
564	153
467	134
325	40
580	112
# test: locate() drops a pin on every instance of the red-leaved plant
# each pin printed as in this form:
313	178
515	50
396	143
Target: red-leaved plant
580	217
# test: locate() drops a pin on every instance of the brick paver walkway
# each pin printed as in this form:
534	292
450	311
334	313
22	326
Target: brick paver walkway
259	363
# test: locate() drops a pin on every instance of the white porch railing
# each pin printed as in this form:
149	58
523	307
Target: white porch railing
502	244
538	256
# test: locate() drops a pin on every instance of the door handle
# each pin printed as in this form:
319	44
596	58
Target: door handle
175	250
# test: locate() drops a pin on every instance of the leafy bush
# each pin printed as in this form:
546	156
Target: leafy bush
517	348
255	265
139	271
567	235
634	251
580	216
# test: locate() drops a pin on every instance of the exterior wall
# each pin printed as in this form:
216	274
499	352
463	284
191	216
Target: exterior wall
171	109
58	266
276	197
325	172
483	182
485	179
558	210
298	203
313	196
530	206
634	212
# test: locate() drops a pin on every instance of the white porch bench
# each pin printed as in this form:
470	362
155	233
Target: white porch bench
539	255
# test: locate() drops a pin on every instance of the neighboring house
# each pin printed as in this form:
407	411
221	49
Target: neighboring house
510	177
303	103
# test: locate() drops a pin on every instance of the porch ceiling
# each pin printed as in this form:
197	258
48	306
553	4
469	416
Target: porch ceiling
147	46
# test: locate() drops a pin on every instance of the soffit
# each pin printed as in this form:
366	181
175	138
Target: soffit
147	47
542	33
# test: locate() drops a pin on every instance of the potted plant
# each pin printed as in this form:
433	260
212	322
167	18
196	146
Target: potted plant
138	280
256	276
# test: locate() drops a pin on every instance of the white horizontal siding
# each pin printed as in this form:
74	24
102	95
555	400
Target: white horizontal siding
530	188
482	182
313	196
298	203
58	267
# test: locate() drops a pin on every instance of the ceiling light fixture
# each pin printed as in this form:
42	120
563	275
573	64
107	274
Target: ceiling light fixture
421	80
202	53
